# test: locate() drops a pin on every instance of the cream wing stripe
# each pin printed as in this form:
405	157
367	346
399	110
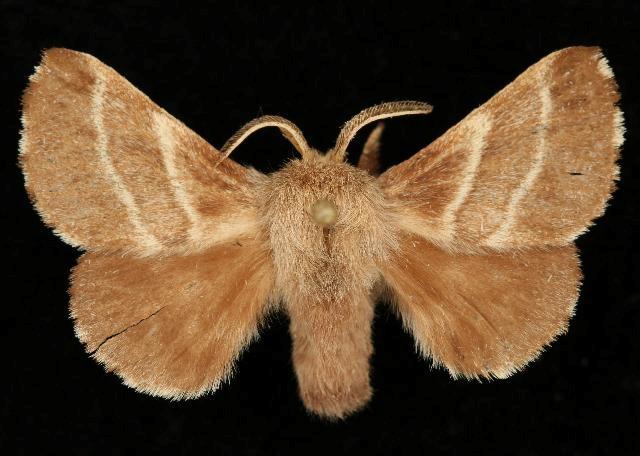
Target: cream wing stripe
147	239
167	147
501	234
478	128
618	119
603	66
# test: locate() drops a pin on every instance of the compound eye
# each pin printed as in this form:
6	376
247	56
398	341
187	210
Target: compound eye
324	212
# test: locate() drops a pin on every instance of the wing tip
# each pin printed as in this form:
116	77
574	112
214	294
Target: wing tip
604	68
27	145
54	53
49	59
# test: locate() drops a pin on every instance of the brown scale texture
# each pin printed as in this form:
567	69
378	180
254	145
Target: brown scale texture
471	239
99	173
483	315
548	145
172	328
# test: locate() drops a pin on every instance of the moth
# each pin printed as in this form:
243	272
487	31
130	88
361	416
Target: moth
186	252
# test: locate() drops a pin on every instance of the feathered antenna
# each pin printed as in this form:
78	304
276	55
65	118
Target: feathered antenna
288	129
377	112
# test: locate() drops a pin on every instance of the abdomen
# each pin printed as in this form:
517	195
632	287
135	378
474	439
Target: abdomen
331	351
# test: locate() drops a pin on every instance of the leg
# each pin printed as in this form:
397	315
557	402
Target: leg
370	157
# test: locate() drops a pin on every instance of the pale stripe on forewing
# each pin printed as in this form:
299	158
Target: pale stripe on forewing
510	214
618	119
167	146
147	239
603	66
477	128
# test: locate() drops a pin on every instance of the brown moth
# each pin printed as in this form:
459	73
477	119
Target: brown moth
471	239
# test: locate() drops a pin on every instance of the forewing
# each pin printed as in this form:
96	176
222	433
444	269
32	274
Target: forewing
482	316
532	166
172	327
111	171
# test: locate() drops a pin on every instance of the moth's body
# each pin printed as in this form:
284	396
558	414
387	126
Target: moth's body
325	274
187	251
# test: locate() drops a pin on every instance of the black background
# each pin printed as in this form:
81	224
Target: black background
218	66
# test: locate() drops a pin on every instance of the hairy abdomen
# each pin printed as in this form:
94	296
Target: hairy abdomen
331	351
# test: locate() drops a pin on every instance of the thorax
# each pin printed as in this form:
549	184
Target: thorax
320	261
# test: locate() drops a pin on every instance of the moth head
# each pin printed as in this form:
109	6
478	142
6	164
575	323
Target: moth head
323	178
338	153
324	212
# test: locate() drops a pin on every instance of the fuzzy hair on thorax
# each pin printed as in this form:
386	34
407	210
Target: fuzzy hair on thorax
315	261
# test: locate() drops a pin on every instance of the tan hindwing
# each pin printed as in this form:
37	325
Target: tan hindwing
172	327
483	316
